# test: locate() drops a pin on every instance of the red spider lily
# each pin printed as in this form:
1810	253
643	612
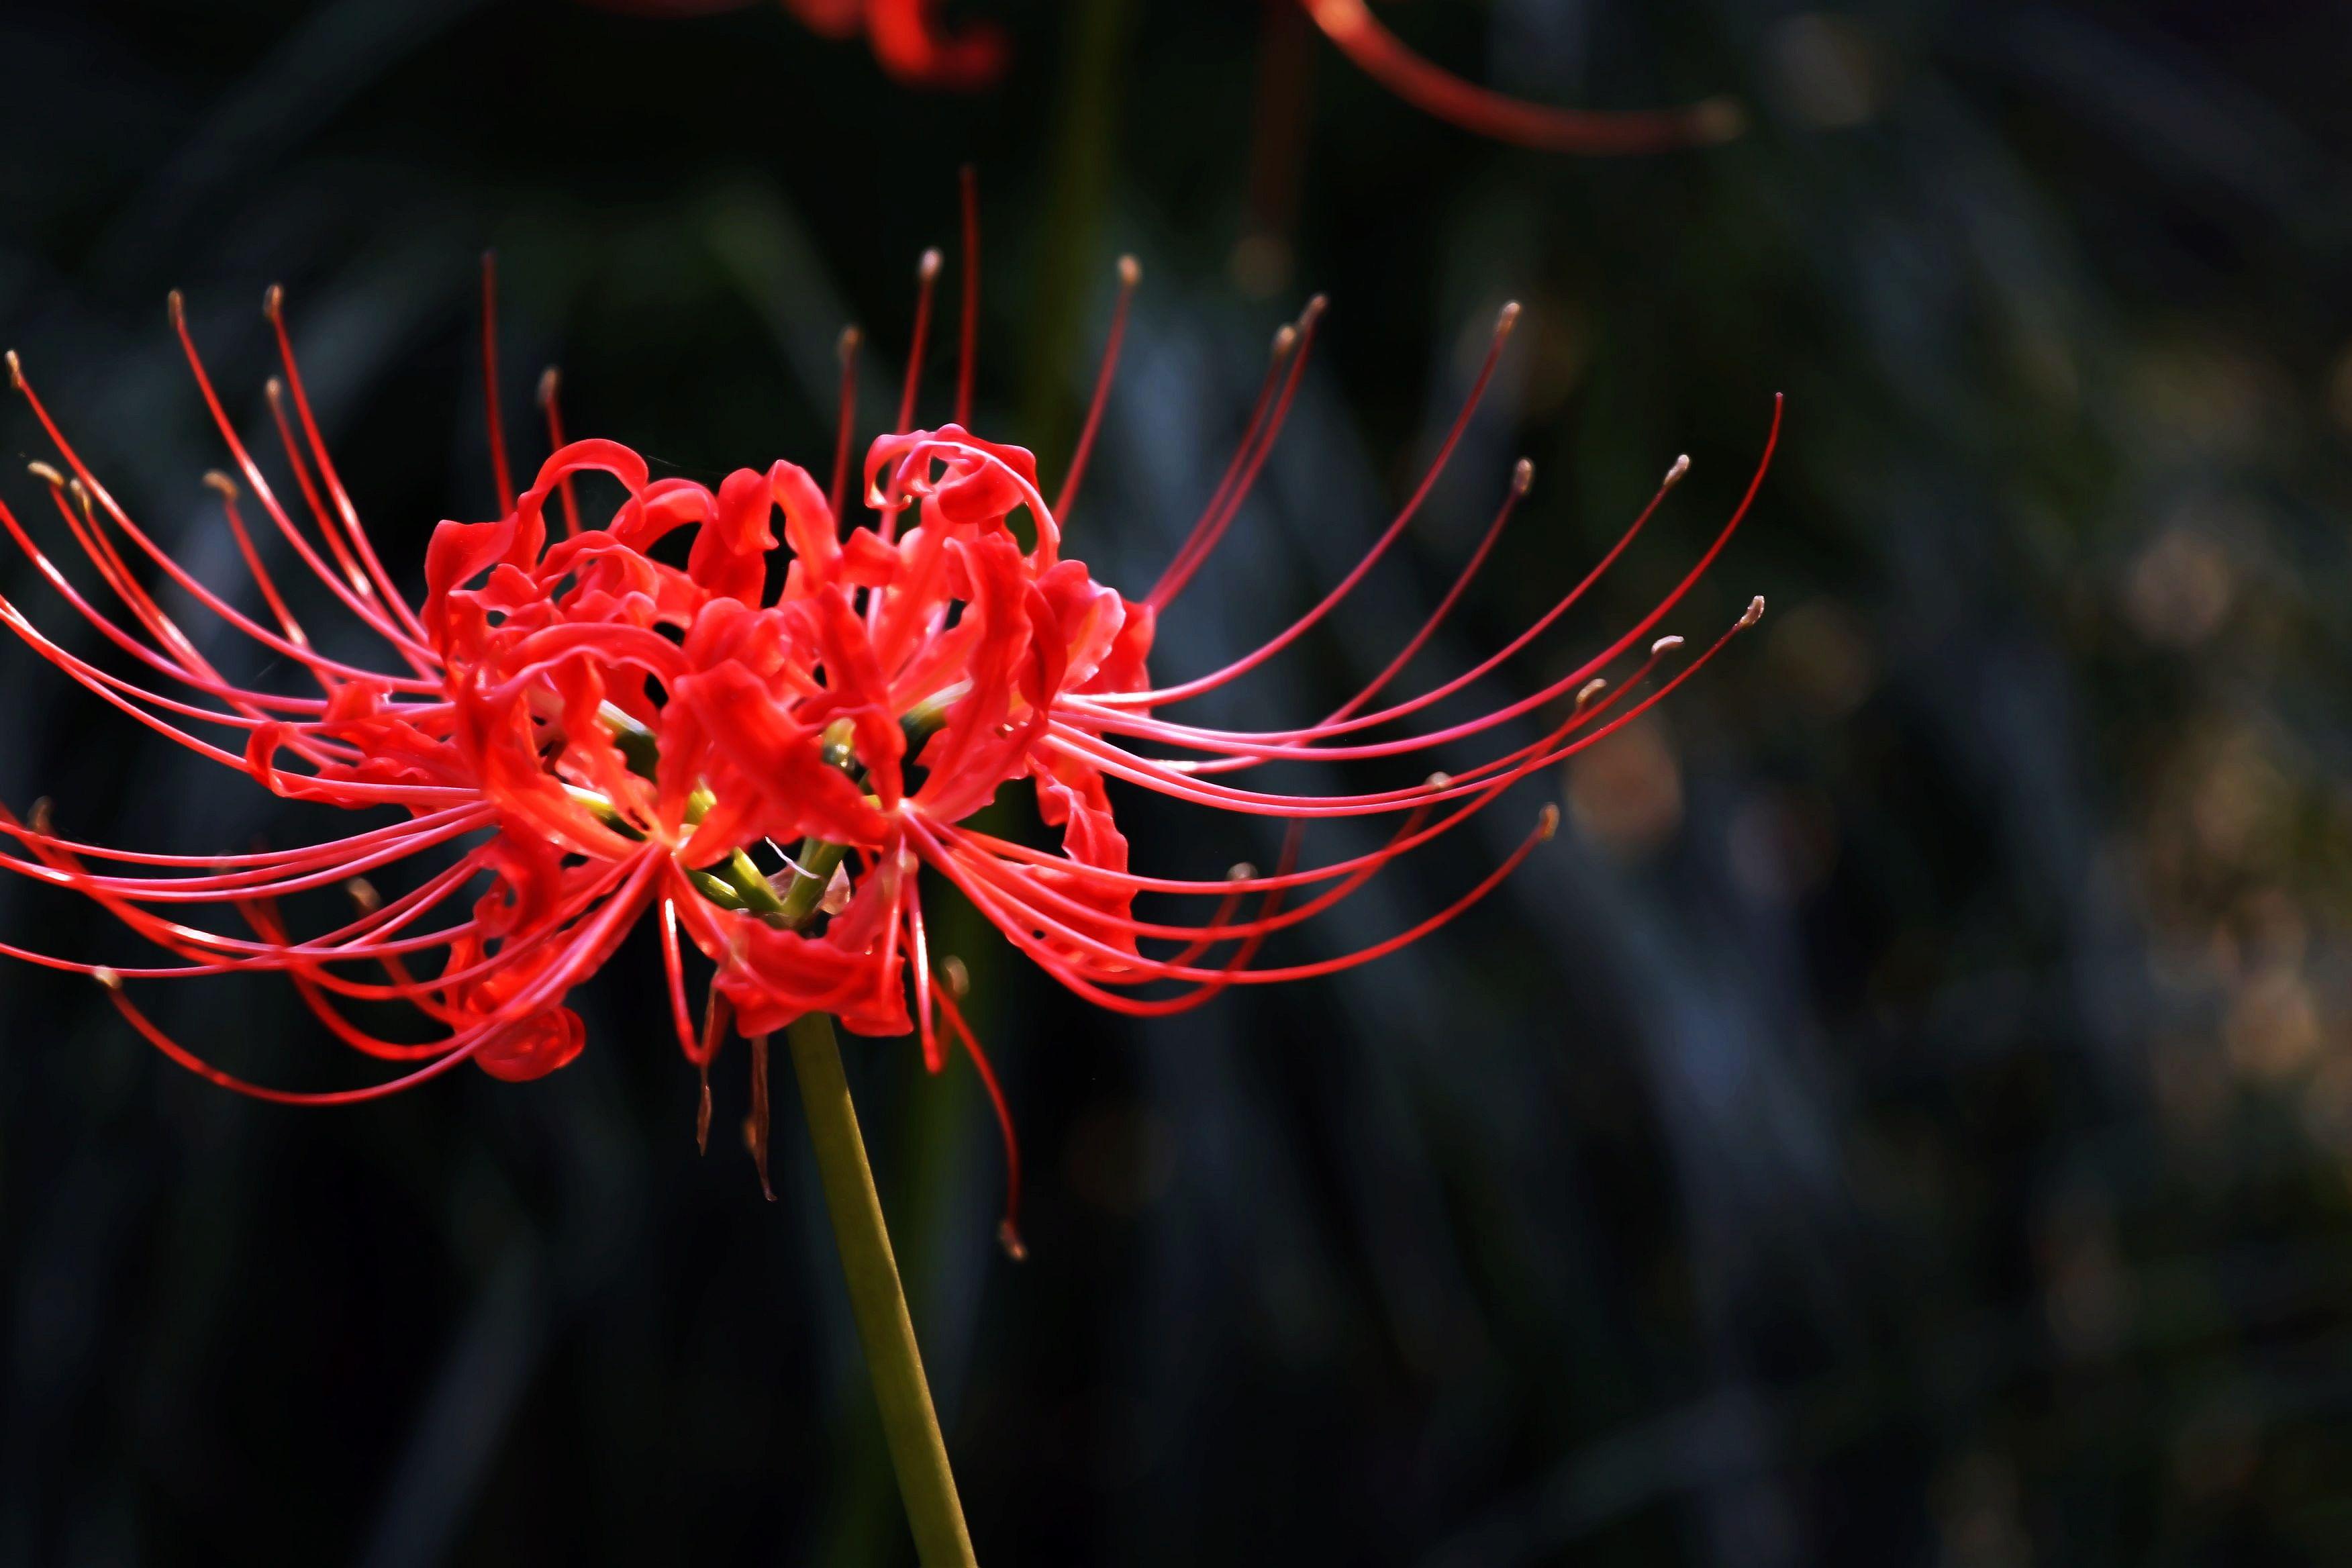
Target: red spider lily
915	49
908	40
581	733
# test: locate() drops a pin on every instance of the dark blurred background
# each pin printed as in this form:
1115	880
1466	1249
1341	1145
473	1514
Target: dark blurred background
1907	1118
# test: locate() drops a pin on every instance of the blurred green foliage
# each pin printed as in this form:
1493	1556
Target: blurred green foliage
1907	1119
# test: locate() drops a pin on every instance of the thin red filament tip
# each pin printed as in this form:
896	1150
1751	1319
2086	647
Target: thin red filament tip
755	1125
1382	55
968	179
226	487
407	628
1130	273
927	278
499	469
1289	362
273	392
551	386
1008	1229
845	437
1523	479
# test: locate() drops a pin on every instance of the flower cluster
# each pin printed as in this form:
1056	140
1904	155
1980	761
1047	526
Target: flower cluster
722	709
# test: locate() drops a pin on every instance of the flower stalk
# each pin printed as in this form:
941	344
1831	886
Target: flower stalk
877	1299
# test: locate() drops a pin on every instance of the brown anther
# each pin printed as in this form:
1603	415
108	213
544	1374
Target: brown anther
46	474
1675	475
1522	477
1130	271
848	348
928	268
273	389
216	481
1547	823
703	1115
364	896
1285	337
40	818
177	307
1240	871
1009	1239
1507	319
1437	782
1755	613
107	977
550	380
1589	691
16	371
1666	645
1314	311
273	302
955	978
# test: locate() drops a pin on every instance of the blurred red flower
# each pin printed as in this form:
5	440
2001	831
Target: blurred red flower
915	48
908	40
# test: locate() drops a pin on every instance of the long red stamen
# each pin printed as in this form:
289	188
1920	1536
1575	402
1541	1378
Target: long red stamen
583	956
1018	924
226	487
927	276
1522	477
273	392
273	306
1381	56
1291	352
1739	514
499	469
1008	1229
169	663
550	385
1180	785
1130	273
1330	601
968	182
845	431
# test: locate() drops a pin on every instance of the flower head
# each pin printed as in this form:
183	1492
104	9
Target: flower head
776	748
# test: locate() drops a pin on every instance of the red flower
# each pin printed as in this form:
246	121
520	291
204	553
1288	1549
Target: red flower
912	44
908	40
594	732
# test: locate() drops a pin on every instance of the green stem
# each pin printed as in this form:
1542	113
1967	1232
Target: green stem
877	1301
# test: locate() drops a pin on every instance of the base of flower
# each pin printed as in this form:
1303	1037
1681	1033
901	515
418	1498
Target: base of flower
877	1301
